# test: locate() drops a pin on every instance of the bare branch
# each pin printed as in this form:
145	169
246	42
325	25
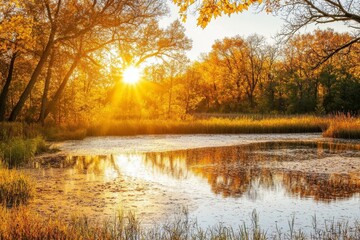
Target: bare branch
344	46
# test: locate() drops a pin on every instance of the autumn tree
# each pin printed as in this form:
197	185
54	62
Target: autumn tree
70	20
190	89
221	81
269	85
15	38
255	58
227	56
242	75
210	84
302	54
297	14
207	10
164	46
166	79
237	68
302	13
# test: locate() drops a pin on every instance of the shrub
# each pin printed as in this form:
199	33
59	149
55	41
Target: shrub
9	130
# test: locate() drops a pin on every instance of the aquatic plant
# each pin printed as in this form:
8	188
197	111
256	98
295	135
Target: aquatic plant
337	127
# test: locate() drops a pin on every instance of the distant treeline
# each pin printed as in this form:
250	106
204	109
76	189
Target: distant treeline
249	76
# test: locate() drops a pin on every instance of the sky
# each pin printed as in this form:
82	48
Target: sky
243	24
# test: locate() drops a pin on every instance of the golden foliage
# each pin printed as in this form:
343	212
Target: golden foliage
209	9
16	29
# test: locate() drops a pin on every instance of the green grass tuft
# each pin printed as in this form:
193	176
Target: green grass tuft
18	151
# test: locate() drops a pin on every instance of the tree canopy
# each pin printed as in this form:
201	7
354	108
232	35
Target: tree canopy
63	61
47	43
302	12
296	13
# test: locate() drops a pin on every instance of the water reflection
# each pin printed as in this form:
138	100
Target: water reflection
277	178
235	171
239	171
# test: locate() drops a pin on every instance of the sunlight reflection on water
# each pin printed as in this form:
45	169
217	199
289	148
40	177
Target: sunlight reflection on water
222	184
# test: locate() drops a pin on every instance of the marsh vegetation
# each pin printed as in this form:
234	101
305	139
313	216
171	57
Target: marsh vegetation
248	125
22	225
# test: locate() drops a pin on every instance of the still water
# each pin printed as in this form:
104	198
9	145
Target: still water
280	178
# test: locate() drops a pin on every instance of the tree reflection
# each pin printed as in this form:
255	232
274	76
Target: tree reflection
239	171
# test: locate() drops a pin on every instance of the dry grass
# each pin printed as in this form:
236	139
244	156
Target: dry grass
63	133
207	126
15	188
343	127
337	127
21	224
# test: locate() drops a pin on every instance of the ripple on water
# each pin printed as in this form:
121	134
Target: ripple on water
293	174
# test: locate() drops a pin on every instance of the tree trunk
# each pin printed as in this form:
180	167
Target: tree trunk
44	99
170	97
51	106
252	103
5	90
34	77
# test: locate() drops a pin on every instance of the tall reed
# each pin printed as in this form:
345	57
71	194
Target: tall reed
207	126
343	127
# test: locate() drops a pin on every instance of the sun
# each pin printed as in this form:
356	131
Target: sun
131	75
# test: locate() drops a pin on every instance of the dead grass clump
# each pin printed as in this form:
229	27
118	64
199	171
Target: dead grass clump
343	127
15	188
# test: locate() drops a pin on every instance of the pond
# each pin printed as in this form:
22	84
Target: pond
218	178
